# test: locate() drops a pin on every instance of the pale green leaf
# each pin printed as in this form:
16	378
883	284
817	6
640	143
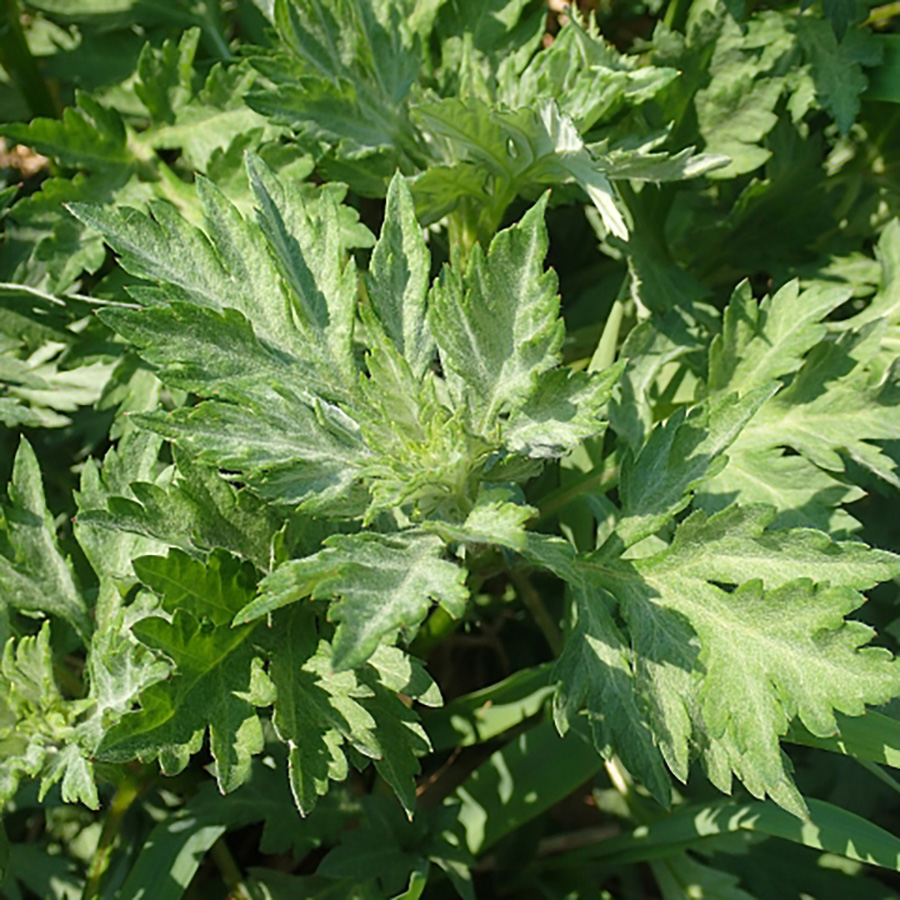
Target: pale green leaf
656	483
207	122
494	519
37	733
347	76
34	575
520	148
565	409
384	583
164	75
773	647
497	325
88	136
110	552
308	245
768	340
199	511
837	403
398	280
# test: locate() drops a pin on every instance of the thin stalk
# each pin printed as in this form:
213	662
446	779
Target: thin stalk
216	40
532	599
238	889
605	354
676	14
461	233
597	480
433	632
16	58
128	791
620	778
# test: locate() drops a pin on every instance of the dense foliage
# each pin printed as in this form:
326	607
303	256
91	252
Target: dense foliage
451	449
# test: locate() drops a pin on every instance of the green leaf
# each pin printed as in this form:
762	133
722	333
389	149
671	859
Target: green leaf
642	164
88	136
768	340
229	267
874	737
262	323
347	76
841	13
784	336
110	552
398	280
728	83
37	734
290	452
314	713
886	303
884	79
385	583
766	650
837	66
199	511
206	122
565	409
680	873
497	325
309	248
485	45
519	781
839	403
689	446
827	827
595	672
165	75
519	150
34	575
320	712
379	849
494	519
483	714
217	681
587	76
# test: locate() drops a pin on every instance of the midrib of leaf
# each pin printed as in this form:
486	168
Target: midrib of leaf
180	588
241	634
769	429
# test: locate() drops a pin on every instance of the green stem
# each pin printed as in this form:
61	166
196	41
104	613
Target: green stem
128	791
598	480
216	40
676	14
16	58
461	233
882	14
435	629
605	354
238	889
532	599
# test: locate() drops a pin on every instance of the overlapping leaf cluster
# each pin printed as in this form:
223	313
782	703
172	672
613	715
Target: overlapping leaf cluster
306	417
